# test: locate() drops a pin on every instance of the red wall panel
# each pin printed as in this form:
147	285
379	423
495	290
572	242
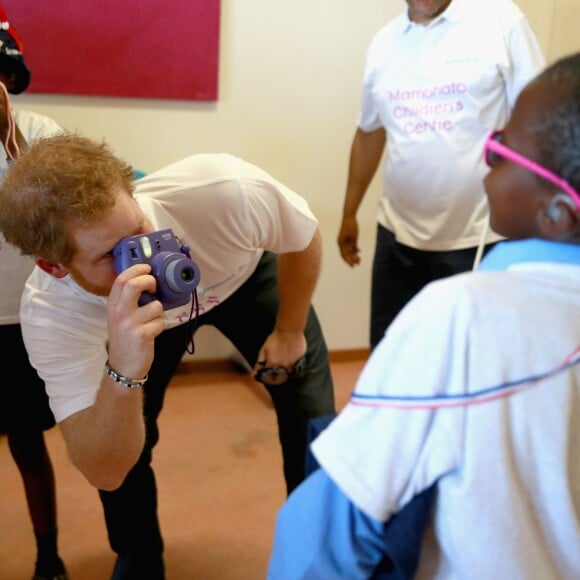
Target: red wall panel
157	49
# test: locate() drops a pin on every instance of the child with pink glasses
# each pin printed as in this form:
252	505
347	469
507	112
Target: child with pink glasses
457	455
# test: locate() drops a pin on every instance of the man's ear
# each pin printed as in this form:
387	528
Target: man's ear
56	270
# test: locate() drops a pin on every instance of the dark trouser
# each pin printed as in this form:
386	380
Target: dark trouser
22	410
246	318
399	272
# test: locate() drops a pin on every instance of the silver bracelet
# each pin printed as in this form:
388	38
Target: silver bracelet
122	380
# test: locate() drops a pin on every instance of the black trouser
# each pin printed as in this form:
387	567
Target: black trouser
399	272
246	318
22	410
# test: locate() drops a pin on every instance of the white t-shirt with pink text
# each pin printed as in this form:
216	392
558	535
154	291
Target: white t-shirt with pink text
439	90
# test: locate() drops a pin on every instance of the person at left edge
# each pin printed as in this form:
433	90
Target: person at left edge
68	201
24	411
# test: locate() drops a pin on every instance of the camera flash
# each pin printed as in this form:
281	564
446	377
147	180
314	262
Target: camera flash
146	245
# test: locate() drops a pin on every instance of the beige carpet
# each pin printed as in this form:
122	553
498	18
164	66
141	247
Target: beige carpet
218	467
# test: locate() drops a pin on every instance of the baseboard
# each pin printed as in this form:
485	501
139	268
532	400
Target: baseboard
349	355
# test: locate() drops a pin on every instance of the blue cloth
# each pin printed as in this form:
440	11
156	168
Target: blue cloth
321	534
397	555
504	254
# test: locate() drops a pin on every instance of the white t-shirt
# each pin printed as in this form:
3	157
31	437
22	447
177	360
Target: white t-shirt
461	392
226	210
15	268
439	90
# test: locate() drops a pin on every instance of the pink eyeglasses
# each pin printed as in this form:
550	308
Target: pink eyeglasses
493	149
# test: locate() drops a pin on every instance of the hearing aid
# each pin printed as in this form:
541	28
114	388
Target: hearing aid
554	210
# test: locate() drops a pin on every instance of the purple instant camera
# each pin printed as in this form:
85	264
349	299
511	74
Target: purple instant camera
177	275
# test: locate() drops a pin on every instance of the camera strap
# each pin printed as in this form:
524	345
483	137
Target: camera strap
190	348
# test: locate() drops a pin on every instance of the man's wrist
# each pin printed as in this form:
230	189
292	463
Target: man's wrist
122	380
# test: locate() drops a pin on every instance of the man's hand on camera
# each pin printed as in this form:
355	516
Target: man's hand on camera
133	328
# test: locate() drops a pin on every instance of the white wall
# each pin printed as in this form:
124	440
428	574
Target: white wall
289	88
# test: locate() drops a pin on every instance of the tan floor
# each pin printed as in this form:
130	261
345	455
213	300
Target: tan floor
218	466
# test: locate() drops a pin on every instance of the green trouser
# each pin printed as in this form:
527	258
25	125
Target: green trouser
246	318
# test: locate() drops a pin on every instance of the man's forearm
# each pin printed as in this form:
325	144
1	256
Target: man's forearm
298	274
104	441
365	156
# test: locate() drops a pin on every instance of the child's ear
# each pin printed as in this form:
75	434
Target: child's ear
559	217
56	270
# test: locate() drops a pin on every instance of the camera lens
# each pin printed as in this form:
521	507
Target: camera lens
180	275
187	275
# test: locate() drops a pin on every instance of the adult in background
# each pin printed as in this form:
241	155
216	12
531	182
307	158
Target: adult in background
437	80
